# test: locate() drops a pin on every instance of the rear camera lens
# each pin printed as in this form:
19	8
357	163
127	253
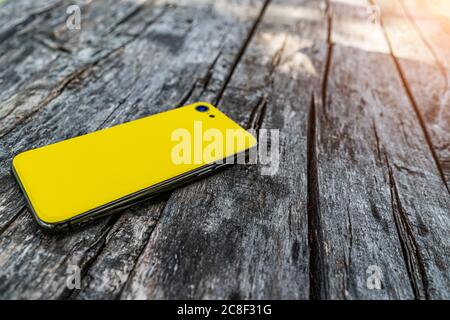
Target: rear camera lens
202	108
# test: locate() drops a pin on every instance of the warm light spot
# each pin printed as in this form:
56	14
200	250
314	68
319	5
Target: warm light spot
440	8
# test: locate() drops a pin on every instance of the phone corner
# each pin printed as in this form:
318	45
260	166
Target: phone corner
15	161
50	226
44	225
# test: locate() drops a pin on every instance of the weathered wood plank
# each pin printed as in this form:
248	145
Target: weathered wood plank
424	71
132	83
381	196
353	229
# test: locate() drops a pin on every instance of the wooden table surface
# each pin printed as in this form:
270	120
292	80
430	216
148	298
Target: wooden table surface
362	107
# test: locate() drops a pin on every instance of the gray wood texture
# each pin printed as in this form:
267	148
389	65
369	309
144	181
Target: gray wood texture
363	118
415	33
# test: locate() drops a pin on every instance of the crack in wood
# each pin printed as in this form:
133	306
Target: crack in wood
408	170
276	58
241	52
315	241
203	81
258	113
51	45
121	103
329	55
411	254
142	250
209	72
54	93
184	99
98	247
348	254
377	139
128	16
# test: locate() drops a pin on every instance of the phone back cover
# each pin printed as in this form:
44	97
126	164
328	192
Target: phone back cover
71	177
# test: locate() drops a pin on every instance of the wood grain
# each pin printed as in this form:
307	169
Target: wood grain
361	113
381	160
131	86
417	33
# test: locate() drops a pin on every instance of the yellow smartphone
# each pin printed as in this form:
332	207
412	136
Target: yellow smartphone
79	179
